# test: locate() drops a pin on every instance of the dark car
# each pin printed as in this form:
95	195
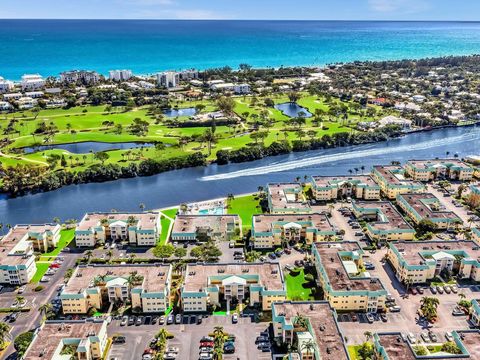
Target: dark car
383	317
261	339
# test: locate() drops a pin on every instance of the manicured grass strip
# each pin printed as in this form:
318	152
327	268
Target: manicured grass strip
42	268
220	313
170	212
353	352
66	236
165	234
245	207
295	289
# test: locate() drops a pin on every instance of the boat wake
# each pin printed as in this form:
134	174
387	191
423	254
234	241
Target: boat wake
354	154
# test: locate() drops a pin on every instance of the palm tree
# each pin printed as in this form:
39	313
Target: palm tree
88	255
308	346
141	206
4	331
45	309
368	335
429	307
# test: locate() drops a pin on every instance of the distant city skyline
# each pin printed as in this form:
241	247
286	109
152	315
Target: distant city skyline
433	10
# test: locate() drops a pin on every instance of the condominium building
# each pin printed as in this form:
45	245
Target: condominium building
120	75
5	106
384	222
392	181
287	198
32	82
273	230
146	287
80	76
6	85
12	96
325	188
222	284
168	79
417	262
393	346
26	102
345	285
475	315
426	170
204	227
318	325
66	339
142	229
187	75
427	206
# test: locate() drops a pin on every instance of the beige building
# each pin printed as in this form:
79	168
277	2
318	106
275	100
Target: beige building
427	170
427	206
273	230
384	222
146	287
416	262
17	263
224	284
55	339
287	198
142	229
320	328
392	181
215	227
346	286
327	188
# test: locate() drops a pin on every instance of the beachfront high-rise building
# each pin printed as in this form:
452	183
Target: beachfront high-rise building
120	75
82	76
168	79
32	82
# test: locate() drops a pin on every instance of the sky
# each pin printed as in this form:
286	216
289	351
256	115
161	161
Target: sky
458	10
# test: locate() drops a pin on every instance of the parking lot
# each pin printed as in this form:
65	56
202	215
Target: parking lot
187	338
406	320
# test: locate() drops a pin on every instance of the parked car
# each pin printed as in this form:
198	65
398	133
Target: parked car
449	336
433	337
161	320
131	320
178	319
205	356
433	289
370	318
439	289
124	321
411	338
173	349
261	339
457	311
383	317
420	290
447	289
395	308
235	318
413	291
454	289
353	316
425	337
170	319
199	319
139	321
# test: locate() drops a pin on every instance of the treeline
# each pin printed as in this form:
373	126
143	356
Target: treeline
24	179
260	151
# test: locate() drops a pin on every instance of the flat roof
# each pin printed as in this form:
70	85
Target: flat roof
326	332
266	222
471	340
395	347
11	247
337	274
411	251
428	206
52	333
426	164
155	276
393	174
145	221
287	196
388	217
197	275
329	181
191	223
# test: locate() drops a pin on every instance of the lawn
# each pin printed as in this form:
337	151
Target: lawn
295	287
66	236
353	352
42	268
245	207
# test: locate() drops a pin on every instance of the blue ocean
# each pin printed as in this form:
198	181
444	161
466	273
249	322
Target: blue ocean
146	46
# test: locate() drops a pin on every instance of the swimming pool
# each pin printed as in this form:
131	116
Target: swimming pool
211	211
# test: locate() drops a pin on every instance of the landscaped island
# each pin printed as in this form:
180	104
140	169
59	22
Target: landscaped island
143	126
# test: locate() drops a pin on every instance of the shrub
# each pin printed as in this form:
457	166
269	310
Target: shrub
38	288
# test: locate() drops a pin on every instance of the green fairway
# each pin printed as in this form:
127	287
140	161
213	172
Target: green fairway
42	268
295	287
245	207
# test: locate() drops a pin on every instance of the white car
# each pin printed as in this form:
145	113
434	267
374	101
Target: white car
173	349
21	289
449	336
147	357
411	338
234	318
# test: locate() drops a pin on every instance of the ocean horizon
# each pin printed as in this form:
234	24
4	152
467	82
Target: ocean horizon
49	47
